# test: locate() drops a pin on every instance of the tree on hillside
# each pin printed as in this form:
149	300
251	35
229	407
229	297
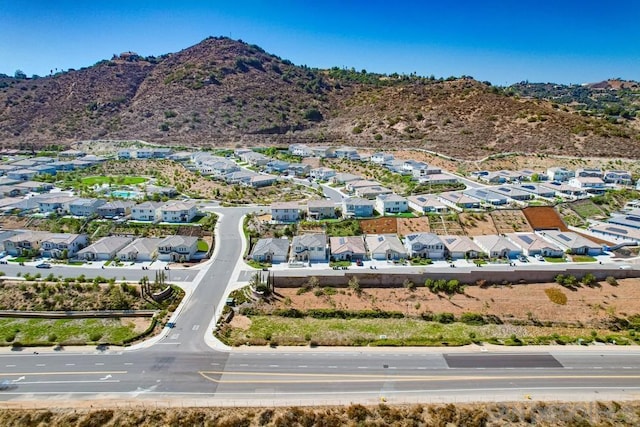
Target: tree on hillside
19	74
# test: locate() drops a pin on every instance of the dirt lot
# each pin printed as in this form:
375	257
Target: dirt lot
443	226
510	221
541	217
413	225
589	306
379	225
477	224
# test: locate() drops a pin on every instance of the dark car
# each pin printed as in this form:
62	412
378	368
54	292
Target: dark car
43	265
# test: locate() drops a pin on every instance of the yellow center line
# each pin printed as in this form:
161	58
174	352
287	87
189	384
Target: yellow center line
3	374
351	378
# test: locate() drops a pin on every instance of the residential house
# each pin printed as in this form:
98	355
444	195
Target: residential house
22	174
532	244
144	153
321	209
560	174
25	241
309	247
104	249
143	249
395	166
593	185
408	166
564	190
85	207
46	169
427	203
4	235
618	177
300	150
511	176
277	166
385	247
80	164
71	154
589	173
460	247
147	211
177	248
512	192
347	248
630	219
372	192
242	177
352	186
381	158
493	178
617	232
323	151
424	245
115	208
322	173
58	204
571	242
531	175
426	172
125	154
162	191
161	152
355	207
34	186
4	169
497	246
299	169
261	180
93	159
63	245
486	196
255	159
391	204
25	163
344	178
285	211
347	153
271	250
183	212
63	166
536	190
459	201
438	179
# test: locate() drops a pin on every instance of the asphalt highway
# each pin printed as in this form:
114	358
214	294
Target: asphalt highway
182	364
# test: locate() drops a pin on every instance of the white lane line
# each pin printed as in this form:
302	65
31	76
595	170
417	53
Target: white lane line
243	364
421	367
40	364
10	366
69	364
195	327
99	364
332	367
362	367
274	366
215	364
128	363
302	366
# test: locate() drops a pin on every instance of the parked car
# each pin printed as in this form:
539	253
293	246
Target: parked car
43	265
539	257
523	258
359	263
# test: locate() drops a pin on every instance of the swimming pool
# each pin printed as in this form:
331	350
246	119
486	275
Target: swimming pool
125	194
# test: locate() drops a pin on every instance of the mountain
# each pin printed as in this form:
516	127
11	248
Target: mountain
223	92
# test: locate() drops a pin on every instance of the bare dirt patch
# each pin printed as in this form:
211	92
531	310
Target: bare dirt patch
379	225
445	225
544	217
413	225
510	221
477	224
590	306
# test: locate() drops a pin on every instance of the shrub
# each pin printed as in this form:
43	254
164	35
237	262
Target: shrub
611	281
472	319
445	318
556	296
95	336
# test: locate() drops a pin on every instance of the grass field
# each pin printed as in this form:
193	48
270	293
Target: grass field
32	331
119	180
395	332
202	246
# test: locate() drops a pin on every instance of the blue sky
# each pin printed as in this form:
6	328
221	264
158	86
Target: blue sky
503	41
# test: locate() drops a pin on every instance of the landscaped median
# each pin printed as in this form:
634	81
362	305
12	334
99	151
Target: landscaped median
440	312
75	312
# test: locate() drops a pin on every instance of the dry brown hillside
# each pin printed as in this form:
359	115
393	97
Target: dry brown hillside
226	92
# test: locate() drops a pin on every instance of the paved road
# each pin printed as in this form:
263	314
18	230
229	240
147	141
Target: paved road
181	365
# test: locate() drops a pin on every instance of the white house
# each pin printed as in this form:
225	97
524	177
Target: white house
347	248
385	247
270	250
532	244
497	246
460	247
141	249
309	247
178	212
426	203
618	177
424	245
381	158
590	184
177	248
354	207
59	245
147	211
391	204
560	174
571	242
322	173
104	249
285	211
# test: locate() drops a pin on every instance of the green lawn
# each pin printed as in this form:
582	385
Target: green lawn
119	180
582	258
31	331
553	259
202	246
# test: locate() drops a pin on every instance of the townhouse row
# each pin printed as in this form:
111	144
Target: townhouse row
318	248
70	246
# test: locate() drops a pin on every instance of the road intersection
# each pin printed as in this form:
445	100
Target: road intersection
187	363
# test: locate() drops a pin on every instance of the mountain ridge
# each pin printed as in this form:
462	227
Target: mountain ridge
226	92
